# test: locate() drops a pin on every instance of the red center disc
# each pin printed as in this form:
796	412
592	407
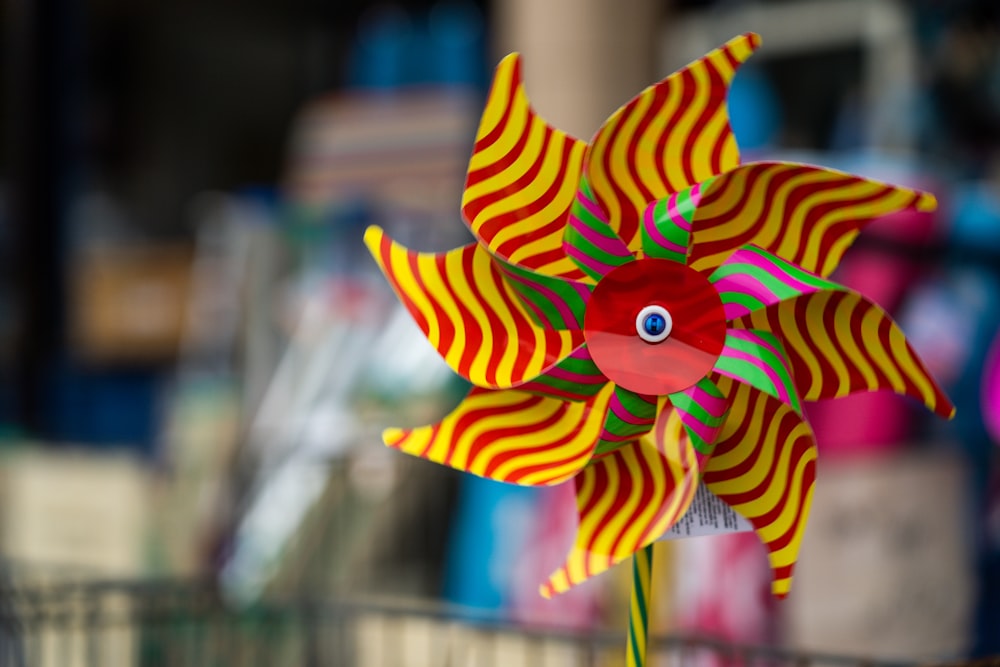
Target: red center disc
688	353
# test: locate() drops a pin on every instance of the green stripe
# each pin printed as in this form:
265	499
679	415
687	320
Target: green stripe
585	366
684	204
532	296
746	300
636	406
585	390
757	377
794	270
684	402
699	443
668	228
666	225
638	628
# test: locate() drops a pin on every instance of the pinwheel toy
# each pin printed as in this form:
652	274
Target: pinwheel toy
643	314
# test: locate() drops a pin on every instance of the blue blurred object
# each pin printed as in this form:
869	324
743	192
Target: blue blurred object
457	43
107	407
382	50
754	110
448	48
490	531
976	221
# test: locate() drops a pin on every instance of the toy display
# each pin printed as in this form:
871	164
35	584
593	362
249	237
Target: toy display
644	314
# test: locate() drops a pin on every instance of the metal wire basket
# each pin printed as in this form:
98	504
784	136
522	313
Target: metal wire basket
119	623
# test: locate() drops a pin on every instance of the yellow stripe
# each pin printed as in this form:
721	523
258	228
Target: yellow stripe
521	122
907	363
785	233
511	408
550	172
794	516
842	329
583	420
496	103
647	161
786	483
543	345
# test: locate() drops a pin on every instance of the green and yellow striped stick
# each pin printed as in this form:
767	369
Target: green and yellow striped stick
638	618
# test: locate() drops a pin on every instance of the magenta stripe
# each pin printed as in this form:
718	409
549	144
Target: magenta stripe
622	413
703	430
760	261
592	206
713	404
608	436
565	312
597	267
743	284
611	245
675	215
649	221
775	379
557	373
584	290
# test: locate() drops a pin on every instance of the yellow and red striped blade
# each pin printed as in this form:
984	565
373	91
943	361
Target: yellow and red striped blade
764	467
522	179
806	215
839	343
671	136
510	436
628	499
470	314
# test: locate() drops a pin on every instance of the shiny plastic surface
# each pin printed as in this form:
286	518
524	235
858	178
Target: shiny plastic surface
696	337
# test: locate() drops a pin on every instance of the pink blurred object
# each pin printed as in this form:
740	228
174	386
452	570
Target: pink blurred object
723	591
579	608
871	423
991	391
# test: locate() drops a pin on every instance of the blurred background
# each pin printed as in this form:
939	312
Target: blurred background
197	354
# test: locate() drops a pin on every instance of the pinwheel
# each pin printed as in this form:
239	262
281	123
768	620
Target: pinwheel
643	314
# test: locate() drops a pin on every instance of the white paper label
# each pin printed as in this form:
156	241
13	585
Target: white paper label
707	516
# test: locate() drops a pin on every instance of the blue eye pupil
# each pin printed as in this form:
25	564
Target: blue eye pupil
654	324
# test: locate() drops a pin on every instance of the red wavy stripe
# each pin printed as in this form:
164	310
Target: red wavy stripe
620	495
473	208
623	202
471	417
750	495
447	330
647	491
491	227
655	106
384	251
808	479
686	82
711	108
474	335
834	232
513	86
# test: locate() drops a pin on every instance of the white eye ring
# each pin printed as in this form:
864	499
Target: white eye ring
653	324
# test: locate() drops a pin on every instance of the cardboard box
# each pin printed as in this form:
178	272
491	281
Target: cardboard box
129	305
83	511
67	517
885	570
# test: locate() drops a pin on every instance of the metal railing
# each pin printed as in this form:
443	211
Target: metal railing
186	623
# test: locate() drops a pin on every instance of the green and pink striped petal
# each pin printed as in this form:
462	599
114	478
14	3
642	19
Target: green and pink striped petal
758	359
630	415
702	409
575	378
666	224
589	240
554	303
752	278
